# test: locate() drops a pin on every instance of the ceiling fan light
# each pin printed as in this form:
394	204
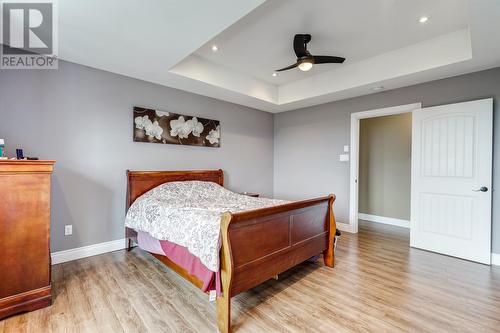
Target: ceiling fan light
305	66
423	19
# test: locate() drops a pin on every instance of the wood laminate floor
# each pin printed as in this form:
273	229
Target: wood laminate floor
378	285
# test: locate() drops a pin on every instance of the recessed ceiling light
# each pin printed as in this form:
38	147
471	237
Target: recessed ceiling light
215	48
275	74
378	88
423	19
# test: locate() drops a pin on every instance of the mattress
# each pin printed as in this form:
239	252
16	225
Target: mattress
188	214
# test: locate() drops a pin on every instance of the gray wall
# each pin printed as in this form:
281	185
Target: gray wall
308	141
385	166
82	118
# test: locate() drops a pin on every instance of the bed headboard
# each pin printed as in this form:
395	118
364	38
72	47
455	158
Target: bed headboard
139	182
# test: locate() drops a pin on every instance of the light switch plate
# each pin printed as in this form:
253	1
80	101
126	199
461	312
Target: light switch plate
344	157
346	149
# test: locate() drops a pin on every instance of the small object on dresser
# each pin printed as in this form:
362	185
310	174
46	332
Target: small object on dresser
251	194
19	154
3	154
32	158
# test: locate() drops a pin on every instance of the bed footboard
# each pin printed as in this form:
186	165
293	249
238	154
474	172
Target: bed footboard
257	245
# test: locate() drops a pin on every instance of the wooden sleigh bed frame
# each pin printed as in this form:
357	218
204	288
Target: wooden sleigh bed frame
257	245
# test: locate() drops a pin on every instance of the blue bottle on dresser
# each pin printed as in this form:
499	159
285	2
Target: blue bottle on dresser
2	148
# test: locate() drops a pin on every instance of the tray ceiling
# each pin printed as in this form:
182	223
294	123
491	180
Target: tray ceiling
170	43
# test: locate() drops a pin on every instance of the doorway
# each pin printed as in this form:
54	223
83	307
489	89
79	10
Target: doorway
451	177
355	144
384	180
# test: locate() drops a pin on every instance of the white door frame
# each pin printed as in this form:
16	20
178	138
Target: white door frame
354	167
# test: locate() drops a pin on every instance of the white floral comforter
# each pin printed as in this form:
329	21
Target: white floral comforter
188	214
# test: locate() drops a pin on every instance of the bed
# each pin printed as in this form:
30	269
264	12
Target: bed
255	245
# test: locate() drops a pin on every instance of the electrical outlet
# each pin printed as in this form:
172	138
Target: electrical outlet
68	230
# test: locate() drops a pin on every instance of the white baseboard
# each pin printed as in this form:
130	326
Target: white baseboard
495	259
87	251
120	244
384	220
345	227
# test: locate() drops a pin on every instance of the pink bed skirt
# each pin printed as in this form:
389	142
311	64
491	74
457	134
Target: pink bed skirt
182	257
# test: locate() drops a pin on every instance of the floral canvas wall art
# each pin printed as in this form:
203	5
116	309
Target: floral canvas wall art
167	127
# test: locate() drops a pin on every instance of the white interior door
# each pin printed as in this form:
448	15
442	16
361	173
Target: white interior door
451	179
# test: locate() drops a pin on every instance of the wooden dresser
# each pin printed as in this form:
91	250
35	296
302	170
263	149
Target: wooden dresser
24	235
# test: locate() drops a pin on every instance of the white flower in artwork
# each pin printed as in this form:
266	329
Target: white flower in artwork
180	128
214	135
196	126
153	129
142	122
160	113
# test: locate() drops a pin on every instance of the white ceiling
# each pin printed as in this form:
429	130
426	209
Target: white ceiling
262	41
169	43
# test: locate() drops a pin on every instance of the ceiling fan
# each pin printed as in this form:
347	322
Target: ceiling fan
306	60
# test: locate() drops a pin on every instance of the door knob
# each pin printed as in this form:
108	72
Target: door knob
482	189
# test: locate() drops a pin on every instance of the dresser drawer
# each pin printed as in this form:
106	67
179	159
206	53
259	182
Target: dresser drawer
24	232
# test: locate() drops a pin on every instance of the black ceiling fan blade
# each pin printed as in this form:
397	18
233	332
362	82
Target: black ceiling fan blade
289	67
328	60
299	45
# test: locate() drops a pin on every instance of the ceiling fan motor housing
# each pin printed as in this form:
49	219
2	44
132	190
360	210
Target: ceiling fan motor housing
305	60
